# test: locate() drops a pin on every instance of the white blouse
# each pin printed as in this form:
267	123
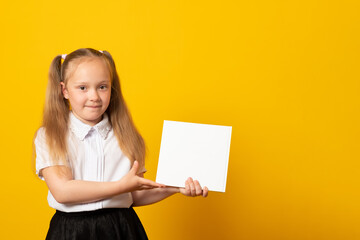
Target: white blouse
94	155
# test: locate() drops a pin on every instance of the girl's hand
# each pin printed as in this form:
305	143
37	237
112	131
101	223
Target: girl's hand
193	189
132	182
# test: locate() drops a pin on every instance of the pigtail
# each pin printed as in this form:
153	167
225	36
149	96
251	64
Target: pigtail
129	138
56	114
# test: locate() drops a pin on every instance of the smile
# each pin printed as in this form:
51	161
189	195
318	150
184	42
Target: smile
93	106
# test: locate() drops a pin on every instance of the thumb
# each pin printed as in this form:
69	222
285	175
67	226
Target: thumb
135	167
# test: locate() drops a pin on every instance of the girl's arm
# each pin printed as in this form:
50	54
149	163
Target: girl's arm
66	190
146	197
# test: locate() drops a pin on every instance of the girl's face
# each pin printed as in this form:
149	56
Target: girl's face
88	90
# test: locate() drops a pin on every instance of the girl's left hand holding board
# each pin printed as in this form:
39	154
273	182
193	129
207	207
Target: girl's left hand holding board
193	189
66	190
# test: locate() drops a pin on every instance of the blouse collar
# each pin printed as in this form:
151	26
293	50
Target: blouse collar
81	130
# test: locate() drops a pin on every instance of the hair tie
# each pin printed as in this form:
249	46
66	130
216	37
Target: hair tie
101	51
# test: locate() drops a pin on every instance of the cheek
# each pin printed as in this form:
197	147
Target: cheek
76	99
105	95
106	98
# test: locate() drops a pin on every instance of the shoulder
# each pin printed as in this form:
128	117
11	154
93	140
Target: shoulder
40	135
40	131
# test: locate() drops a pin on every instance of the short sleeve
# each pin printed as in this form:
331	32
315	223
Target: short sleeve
43	158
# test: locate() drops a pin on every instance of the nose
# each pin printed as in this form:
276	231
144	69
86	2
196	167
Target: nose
94	95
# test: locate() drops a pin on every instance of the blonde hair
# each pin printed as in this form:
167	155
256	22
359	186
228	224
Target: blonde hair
57	108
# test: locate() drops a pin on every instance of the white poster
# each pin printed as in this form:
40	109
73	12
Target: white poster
200	151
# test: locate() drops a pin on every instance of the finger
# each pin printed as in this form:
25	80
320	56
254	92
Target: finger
192	187
198	190
135	167
187	191
205	192
150	184
145	187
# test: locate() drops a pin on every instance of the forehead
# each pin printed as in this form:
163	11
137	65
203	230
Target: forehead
87	67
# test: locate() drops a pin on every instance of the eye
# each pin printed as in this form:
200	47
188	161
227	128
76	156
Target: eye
103	87
82	88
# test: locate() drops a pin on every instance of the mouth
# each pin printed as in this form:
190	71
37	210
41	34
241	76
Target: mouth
93	106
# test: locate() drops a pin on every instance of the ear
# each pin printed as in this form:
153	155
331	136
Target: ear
64	90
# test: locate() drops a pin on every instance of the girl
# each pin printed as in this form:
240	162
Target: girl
90	154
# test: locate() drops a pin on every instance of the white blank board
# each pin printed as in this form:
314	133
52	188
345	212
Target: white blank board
200	151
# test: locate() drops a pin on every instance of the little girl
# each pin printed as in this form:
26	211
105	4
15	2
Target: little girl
90	154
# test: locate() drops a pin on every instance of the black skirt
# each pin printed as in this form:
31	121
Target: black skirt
104	224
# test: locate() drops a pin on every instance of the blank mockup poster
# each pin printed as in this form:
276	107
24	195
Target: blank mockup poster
200	151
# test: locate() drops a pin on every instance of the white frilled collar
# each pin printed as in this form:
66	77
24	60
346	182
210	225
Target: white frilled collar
81	129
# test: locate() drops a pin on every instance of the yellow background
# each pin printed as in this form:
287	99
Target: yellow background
284	74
